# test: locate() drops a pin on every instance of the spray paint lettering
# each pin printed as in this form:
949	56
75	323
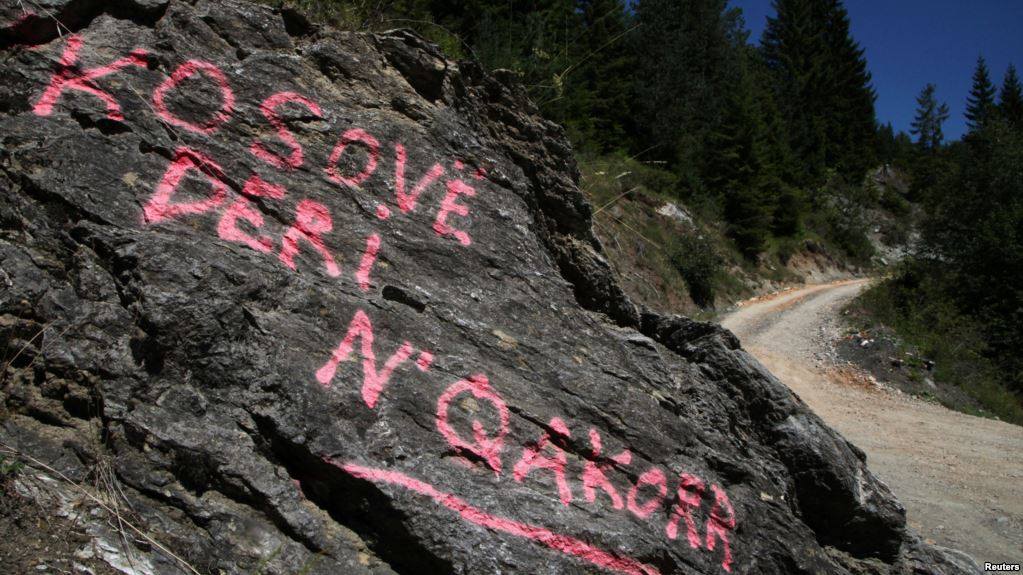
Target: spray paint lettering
690	490
480	436
544	462
562	543
242	209
479	439
485	447
312	219
269	109
448	205
595	476
654	477
407	202
185	160
69	77
373	381
533	458
182	73
373	154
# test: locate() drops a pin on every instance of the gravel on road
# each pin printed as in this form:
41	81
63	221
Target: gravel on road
960	477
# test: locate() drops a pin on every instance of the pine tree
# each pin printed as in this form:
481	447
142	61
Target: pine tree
981	102
742	164
687	65
1010	100
822	80
793	45
851	120
605	67
886	145
974	235
928	120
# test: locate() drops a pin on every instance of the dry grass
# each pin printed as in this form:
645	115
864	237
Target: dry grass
106	494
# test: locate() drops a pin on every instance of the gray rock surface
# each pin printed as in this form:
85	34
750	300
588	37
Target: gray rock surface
221	285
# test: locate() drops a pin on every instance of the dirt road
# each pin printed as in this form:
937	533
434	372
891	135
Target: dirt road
960	477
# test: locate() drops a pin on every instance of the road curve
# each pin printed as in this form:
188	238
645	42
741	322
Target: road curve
960	477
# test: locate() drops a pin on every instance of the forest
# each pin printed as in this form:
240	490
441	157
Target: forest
774	137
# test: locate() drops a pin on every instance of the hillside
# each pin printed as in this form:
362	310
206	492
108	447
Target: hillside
677	259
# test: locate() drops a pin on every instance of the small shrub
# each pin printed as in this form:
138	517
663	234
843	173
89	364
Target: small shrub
9	469
895	203
838	217
699	265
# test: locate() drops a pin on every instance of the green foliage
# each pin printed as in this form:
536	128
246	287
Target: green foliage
699	265
774	139
749	216
959	297
609	177
980	105
974	231
365	15
785	248
739	158
687	65
916	304
685	257
743	132
9	469
1010	99
894	149
895	203
930	163
821	78
837	215
928	120
605	72
787	220
930	171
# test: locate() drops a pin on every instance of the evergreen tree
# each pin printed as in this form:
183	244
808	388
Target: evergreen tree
687	65
537	39
793	46
981	102
885	142
930	115
1010	100
974	237
851	121
737	166
821	78
605	68
779	164
929	165
895	149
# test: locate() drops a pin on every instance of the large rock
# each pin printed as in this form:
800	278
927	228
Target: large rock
327	302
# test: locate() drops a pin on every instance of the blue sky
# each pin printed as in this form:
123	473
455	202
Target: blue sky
911	42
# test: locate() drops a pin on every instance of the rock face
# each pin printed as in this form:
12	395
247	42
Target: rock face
327	302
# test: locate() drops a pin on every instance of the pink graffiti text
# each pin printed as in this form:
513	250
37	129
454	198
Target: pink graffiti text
484	447
70	77
179	75
373	381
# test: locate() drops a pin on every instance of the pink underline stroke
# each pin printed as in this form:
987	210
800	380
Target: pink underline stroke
562	543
